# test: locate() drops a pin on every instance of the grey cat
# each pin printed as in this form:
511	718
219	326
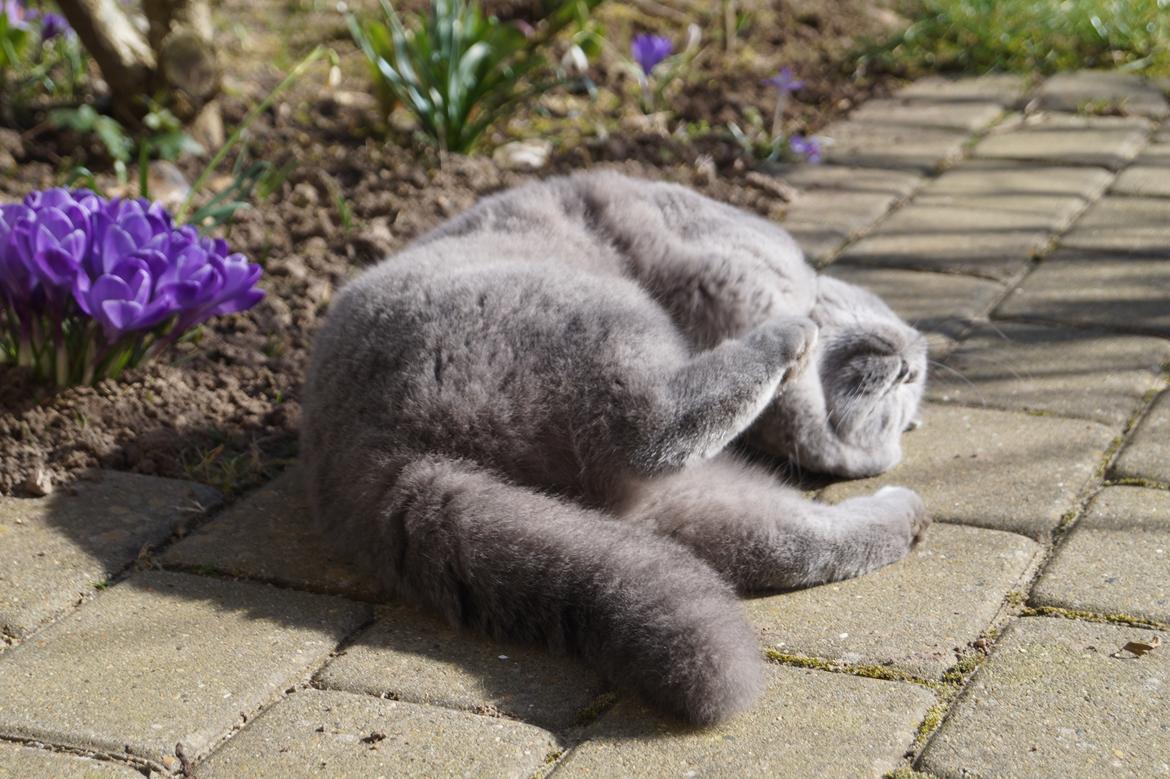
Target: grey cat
520	421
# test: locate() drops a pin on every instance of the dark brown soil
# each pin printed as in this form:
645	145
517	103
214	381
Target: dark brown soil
225	409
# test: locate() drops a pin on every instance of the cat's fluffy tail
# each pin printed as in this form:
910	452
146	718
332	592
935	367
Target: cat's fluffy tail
521	565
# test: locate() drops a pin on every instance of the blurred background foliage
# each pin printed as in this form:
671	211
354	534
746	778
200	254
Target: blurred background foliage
1026	36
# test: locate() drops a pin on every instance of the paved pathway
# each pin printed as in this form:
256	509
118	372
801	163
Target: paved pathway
1026	230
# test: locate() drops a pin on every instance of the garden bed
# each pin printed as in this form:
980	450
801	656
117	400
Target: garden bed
224	408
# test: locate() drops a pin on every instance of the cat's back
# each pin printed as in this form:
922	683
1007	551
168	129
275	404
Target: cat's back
482	342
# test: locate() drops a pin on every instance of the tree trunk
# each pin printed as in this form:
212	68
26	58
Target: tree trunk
182	37
121	51
177	53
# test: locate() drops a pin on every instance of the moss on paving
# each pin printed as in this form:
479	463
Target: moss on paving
596	708
1135	481
1092	616
886	673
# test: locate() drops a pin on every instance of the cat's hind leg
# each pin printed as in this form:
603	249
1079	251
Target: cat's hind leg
762	535
515	563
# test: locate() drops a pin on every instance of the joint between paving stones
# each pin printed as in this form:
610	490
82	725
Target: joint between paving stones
305	681
552	761
930	723
1137	481
953	683
145	561
885	673
211	572
1109	459
1100	327
146	766
596	708
1126	620
1032	412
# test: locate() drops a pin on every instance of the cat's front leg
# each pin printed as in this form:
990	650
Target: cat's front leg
698	407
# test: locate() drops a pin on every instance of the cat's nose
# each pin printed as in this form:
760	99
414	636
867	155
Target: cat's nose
906	374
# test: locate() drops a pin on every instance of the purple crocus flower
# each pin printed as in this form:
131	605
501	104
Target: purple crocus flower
69	258
785	84
53	26
649	50
185	276
807	148
56	234
205	280
785	81
123	299
16	14
18	283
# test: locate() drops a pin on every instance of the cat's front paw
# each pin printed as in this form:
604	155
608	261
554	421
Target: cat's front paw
907	507
788	340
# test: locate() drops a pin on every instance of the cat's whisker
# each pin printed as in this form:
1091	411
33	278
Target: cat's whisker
954	371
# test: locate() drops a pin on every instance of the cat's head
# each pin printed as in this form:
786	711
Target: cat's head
861	389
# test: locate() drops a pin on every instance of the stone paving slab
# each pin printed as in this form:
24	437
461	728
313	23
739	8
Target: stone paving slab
969	115
808	723
1149	175
1116	559
913	614
163	658
1147	453
1087	288
998	469
1128	226
872	145
1053	701
19	762
1001	88
1144	180
845	178
316	733
1089	90
410	656
54	550
999	255
1080	373
1102	141
270	536
998	177
993	236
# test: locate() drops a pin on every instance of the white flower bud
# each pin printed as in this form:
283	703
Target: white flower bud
574	60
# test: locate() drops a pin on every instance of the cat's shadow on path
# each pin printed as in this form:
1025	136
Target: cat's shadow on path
265	537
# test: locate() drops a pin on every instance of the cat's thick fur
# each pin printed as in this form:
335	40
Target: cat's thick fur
519	421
